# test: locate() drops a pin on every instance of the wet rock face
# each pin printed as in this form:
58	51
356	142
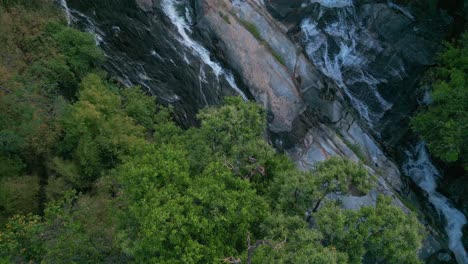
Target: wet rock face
309	113
283	8
143	48
145	5
269	63
307	109
392	46
310	117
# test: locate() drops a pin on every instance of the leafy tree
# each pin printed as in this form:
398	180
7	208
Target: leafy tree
98	131
293	241
299	192
28	129
19	195
384	234
20	240
65	239
174	216
234	134
139	106
10	167
152	191
59	65
444	123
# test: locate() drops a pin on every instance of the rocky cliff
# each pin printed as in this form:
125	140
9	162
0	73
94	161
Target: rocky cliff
314	77
310	114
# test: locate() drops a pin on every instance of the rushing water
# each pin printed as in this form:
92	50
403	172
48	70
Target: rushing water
157	50
341	47
64	5
183	28
425	175
167	60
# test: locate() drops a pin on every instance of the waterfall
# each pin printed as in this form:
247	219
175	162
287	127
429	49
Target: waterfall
171	9
64	5
74	15
425	175
341	48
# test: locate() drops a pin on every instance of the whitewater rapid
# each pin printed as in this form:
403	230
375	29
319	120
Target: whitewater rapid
338	44
170	8
425	175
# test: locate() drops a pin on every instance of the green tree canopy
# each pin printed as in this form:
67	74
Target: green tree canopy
444	123
173	215
298	192
384	234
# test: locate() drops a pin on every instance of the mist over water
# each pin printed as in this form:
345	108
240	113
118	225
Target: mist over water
419	167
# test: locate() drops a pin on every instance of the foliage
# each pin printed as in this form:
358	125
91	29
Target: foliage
295	242
252	28
383	234
444	123
163	198
243	123
60	226
20	241
298	192
19	195
116	180
91	133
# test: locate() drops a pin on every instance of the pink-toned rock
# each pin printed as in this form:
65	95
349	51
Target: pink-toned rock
268	80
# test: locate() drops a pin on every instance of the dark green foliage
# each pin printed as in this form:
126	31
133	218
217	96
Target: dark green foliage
21	241
163	197
244	124
139	106
298	192
444	123
19	195
77	56
383	234
117	181
92	135
59	227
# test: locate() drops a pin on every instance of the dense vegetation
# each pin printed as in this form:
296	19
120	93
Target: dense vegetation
444	123
92	172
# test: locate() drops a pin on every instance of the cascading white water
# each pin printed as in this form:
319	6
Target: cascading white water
425	175
64	5
88	25
183	28
340	47
72	15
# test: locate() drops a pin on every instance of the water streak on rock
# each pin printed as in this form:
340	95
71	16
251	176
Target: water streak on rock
425	175
339	46
183	28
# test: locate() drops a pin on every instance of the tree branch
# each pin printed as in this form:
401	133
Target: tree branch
251	248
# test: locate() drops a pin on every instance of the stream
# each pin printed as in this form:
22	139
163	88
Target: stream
419	167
